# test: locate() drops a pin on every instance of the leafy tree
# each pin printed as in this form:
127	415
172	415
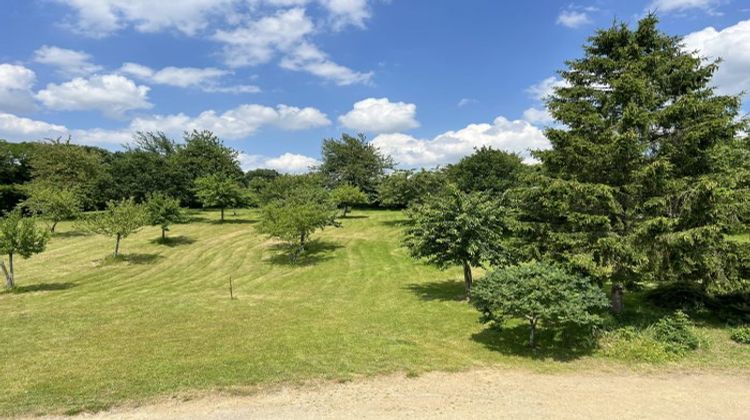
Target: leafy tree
219	191
640	127
260	175
538	293
487	169
346	195
287	185
295	217
15	170
52	203
401	188
456	228
163	210
119	219
19	236
355	161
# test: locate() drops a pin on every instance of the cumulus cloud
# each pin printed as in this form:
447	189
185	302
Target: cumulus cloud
373	115
69	63
540	91
286	163
111	94
15	89
13	127
731	45
347	12
537	116
307	57
681	5
573	18
514	136
207	79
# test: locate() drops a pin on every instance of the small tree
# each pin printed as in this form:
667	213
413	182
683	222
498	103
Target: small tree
538	292
163	210
119	220
219	191
401	189
54	204
294	218
456	228
347	195
19	236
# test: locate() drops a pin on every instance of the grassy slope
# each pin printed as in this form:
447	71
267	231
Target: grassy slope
82	333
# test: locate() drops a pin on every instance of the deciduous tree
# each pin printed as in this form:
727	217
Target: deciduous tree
345	196
19	236
219	190
163	211
119	219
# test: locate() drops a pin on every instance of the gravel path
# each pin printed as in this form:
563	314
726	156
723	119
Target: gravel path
486	394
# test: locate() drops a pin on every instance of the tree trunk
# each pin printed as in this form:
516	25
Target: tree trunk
616	299
346	210
52	229
117	245
8	280
12	274
532	333
302	240
468	280
163	234
222	214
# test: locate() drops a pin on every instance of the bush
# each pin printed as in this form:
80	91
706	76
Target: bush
741	335
678	296
675	332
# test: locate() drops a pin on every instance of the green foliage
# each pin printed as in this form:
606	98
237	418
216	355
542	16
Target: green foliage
19	236
488	170
219	191
353	160
295	217
286	185
163	211
538	293
456	228
345	196
119	219
401	188
52	203
675	333
741	335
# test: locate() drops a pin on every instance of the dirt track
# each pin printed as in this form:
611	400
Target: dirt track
479	394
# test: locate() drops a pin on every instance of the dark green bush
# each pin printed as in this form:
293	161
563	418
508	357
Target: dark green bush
741	335
678	296
675	332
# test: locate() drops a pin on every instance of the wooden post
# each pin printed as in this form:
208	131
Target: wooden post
231	289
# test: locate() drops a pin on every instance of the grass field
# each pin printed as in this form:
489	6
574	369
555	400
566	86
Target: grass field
82	332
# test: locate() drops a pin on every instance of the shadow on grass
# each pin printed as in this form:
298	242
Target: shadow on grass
137	259
173	241
70	234
41	287
562	345
446	290
396	223
230	221
316	252
355	216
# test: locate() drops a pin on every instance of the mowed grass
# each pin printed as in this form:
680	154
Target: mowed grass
83	332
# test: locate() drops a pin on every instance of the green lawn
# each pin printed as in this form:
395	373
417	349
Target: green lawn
84	333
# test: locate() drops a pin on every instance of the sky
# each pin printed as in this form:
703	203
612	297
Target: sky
426	81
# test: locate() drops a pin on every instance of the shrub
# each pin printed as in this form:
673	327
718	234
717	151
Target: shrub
678	295
675	332
741	335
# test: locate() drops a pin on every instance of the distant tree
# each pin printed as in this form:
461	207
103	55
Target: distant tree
52	203
119	219
401	188
345	196
286	185
487	169
15	170
538	293
355	161
456	228
219	191
261	174
163	211
295	217
19	236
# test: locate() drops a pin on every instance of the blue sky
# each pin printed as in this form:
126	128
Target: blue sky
427	81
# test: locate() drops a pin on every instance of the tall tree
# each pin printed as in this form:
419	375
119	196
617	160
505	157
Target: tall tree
639	126
119	220
19	236
219	191
456	228
487	169
355	161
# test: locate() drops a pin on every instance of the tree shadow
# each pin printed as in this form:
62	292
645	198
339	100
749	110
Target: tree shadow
136	259
70	234
316	251
234	222
173	241
195	218
355	216
562	345
41	287
446	290
396	223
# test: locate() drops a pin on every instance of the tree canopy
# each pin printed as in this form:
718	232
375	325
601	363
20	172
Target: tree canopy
19	236
354	161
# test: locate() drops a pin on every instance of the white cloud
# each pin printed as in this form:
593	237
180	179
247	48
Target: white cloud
307	57
102	17
206	79
680	5
286	163
373	115
540	91
111	94
466	102
13	127
537	116
15	89
573	18
514	136
732	45
347	12
69	63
